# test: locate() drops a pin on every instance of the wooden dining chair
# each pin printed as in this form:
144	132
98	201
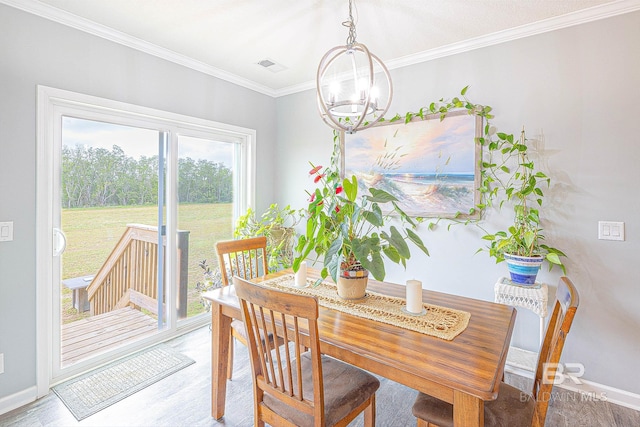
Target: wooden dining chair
246	258
513	407
292	387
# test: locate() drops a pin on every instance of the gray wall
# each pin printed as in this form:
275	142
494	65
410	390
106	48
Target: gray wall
35	51
575	90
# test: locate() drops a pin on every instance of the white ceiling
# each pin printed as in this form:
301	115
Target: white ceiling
226	38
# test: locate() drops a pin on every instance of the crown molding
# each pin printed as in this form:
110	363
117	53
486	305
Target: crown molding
57	15
584	16
551	24
591	14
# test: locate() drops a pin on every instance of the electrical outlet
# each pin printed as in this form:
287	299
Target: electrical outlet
1	363
6	231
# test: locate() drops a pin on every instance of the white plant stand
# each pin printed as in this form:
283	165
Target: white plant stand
534	298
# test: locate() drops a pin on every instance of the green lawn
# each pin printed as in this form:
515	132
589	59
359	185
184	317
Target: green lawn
92	234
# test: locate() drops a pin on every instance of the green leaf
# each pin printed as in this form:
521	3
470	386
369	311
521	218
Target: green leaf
553	258
380	196
396	240
333	250
361	249
408	117
332	267
372	217
417	240
350	188
377	266
392	253
529	238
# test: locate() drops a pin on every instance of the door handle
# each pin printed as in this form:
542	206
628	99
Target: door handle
59	242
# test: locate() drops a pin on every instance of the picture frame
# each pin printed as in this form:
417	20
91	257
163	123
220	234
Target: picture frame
431	165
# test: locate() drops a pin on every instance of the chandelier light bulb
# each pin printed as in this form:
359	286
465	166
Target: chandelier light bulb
334	92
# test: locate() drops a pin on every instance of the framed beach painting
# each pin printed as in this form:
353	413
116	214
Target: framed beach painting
431	166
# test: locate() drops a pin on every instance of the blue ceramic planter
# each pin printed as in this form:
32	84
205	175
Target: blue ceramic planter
523	269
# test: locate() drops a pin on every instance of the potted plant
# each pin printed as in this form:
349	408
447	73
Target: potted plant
211	279
349	233
277	225
522	244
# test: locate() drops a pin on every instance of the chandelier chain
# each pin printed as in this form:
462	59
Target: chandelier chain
351	39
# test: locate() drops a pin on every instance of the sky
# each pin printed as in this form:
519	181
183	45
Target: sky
422	146
137	142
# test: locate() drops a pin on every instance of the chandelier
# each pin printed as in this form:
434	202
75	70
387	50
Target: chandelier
348	83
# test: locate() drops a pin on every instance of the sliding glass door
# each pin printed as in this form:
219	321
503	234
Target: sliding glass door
134	200
205	196
109	211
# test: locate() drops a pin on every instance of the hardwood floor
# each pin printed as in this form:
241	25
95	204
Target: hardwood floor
183	399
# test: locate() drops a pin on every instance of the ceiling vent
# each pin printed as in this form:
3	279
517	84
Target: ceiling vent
271	65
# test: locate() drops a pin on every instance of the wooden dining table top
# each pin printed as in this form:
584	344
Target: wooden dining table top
470	366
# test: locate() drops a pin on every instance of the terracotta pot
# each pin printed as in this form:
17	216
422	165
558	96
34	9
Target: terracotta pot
352	284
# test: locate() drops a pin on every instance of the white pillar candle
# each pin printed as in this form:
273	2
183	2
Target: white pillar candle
301	275
414	296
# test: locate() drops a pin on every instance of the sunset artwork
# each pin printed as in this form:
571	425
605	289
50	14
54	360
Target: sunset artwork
430	166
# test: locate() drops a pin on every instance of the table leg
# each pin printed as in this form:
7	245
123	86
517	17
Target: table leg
467	410
220	335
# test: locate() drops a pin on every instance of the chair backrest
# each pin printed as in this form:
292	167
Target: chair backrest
246	258
277	369
564	310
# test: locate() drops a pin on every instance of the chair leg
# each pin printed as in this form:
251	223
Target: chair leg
370	413
230	360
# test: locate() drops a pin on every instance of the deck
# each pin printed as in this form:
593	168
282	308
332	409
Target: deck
87	337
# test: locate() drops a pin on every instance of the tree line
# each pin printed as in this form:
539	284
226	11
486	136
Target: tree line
93	177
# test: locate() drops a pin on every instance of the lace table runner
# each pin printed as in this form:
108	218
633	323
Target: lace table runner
441	322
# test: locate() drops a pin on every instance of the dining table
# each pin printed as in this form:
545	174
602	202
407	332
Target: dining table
465	371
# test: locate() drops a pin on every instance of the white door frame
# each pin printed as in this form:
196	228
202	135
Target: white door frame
51	104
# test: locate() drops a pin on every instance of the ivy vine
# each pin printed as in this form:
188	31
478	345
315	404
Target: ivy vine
506	174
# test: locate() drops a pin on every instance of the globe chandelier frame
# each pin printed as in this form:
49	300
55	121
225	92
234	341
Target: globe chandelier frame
359	108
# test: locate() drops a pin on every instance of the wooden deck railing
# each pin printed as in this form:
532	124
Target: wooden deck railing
132	269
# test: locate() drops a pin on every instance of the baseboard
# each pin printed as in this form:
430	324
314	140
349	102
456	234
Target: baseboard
592	390
16	400
522	362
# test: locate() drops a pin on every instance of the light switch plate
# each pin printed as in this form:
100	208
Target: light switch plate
610	230
6	231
